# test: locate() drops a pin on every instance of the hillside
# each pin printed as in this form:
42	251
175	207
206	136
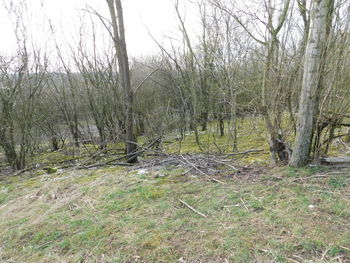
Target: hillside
161	211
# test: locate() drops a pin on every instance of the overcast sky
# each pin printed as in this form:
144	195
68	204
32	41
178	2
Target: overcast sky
65	15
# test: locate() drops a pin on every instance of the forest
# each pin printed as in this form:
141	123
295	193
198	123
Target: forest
231	143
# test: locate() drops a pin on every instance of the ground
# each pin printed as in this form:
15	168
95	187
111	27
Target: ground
178	208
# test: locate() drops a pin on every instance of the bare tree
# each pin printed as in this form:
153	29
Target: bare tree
273	20
22	78
117	20
312	78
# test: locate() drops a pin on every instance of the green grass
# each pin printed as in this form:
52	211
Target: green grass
118	215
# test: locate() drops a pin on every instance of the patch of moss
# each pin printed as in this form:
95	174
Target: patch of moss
90	177
32	183
113	169
152	242
3	198
51	170
149	192
52	158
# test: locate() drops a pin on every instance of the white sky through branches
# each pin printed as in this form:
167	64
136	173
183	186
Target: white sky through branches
67	16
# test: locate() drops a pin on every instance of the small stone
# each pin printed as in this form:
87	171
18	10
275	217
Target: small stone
141	171
160	175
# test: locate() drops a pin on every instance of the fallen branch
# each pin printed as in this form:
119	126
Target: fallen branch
192	209
231	166
335	160
149	147
245	206
127	156
246	152
23	171
346	248
211	178
339	173
292	260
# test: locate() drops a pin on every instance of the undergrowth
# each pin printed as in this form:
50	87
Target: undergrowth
129	214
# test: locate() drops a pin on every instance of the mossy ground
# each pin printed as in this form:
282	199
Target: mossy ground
251	136
122	214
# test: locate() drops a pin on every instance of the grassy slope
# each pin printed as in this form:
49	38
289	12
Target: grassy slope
121	215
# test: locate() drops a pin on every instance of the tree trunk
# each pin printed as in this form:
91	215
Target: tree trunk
221	125
116	12
54	143
204	120
312	76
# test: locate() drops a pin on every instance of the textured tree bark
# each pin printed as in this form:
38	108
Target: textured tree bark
116	12
313	70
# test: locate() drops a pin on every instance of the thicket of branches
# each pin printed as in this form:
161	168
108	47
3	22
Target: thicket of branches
247	59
